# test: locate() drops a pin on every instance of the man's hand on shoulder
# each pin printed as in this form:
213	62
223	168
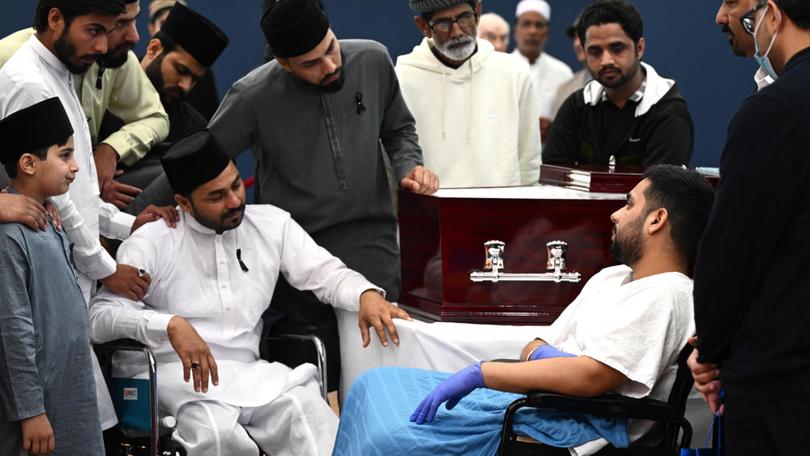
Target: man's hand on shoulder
193	353
376	312
22	209
168	213
128	282
420	180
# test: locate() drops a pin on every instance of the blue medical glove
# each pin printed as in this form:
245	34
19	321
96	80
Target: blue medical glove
548	351
452	390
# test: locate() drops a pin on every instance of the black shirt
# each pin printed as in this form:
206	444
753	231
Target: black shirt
752	277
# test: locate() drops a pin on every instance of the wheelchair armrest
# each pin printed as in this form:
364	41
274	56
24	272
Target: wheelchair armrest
611	404
320	350
121	344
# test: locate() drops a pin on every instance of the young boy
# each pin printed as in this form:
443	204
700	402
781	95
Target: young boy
46	377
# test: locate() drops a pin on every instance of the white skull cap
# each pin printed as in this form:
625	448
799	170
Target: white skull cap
538	6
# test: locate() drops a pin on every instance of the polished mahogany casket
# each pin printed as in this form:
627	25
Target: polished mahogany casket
515	255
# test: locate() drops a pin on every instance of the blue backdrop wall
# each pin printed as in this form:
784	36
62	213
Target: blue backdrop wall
683	43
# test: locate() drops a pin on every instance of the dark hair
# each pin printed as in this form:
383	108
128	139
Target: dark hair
797	10
687	196
166	41
71	9
429	15
41	153
611	12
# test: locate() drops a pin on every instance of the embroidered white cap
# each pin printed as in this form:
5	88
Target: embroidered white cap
537	6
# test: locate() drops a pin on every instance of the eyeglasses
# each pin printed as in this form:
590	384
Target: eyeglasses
464	20
748	21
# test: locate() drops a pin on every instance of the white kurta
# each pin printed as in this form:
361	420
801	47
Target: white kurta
637	327
195	274
34	74
548	74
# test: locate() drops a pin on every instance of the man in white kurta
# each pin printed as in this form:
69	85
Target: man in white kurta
548	73
33	74
220	279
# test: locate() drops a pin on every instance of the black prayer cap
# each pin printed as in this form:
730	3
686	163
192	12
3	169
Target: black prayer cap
194	160
197	35
294	27
38	126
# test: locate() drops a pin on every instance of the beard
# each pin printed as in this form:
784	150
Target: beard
156	77
335	85
732	40
66	52
117	57
626	249
221	224
622	79
457	49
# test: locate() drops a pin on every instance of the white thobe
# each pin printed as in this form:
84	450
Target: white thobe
32	75
548	74
196	274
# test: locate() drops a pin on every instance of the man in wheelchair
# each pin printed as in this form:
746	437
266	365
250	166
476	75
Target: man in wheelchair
212	278
622	334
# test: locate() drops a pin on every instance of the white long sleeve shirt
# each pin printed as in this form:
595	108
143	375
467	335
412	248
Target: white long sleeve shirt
34	74
196	274
548	74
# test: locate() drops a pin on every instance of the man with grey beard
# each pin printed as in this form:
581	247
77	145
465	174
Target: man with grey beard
475	110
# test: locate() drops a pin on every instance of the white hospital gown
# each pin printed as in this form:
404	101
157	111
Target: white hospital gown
637	327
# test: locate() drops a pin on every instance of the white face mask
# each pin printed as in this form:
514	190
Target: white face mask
762	59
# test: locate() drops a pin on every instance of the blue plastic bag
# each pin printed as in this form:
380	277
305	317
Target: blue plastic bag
715	438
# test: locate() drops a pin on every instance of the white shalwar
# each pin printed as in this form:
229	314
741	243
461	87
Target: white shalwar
196	274
548	74
34	74
637	327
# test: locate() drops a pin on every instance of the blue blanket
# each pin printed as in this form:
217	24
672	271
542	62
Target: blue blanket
375	420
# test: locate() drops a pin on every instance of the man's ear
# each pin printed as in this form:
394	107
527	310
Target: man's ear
183	202
27	164
154	48
284	64
56	21
478	12
640	46
657	220
423	26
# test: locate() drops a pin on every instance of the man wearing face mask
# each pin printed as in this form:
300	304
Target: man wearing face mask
742	45
628	112
475	110
751	298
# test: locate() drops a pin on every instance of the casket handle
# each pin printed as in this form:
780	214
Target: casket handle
494	251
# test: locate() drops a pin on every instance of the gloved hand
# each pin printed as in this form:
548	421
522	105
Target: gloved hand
451	390
548	351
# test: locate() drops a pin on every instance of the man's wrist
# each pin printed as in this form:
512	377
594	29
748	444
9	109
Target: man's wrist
104	147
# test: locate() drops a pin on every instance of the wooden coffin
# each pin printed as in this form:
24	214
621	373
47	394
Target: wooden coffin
442	240
597	178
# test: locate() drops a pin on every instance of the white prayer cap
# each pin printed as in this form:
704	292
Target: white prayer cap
538	6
